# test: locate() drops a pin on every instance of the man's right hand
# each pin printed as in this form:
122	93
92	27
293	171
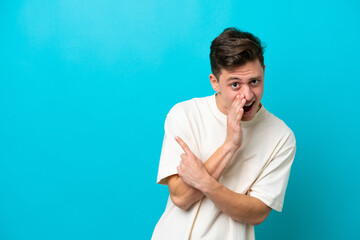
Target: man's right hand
234	134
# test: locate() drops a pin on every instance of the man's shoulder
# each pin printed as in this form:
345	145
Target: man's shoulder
190	107
278	126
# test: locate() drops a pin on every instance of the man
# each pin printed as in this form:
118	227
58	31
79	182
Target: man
225	158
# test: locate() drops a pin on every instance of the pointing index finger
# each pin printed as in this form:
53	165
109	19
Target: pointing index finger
183	145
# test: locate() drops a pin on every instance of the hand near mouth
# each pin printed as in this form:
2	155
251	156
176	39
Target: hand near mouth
234	134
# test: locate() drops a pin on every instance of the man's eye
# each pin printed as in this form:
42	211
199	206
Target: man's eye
235	85
254	82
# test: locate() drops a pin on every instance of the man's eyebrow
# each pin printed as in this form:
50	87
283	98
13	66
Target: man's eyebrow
237	78
256	78
233	78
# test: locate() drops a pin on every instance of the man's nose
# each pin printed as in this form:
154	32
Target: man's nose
248	93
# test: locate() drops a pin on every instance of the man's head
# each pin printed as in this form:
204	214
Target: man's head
237	65
234	48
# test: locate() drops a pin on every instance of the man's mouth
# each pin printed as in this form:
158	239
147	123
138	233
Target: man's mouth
248	107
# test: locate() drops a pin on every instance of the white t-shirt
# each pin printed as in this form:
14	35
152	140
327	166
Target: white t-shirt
262	164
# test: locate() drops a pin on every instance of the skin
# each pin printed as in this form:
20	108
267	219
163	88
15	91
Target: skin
247	80
236	87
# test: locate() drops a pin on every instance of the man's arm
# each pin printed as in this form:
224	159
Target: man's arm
183	195
240	207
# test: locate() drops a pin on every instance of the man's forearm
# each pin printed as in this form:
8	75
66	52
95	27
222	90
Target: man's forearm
218	162
240	207
184	195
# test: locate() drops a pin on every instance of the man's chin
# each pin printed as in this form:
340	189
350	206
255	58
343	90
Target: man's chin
247	118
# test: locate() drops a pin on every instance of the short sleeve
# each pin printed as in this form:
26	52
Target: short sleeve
176	124
271	185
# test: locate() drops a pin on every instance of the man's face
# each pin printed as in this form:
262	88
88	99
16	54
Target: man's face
248	80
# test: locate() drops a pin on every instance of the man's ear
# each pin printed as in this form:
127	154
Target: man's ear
214	83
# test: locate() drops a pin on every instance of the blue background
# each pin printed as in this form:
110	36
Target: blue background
85	87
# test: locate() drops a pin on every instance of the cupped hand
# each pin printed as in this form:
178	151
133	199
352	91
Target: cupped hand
234	133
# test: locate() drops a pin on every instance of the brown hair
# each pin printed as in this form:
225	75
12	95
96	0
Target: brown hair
234	48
